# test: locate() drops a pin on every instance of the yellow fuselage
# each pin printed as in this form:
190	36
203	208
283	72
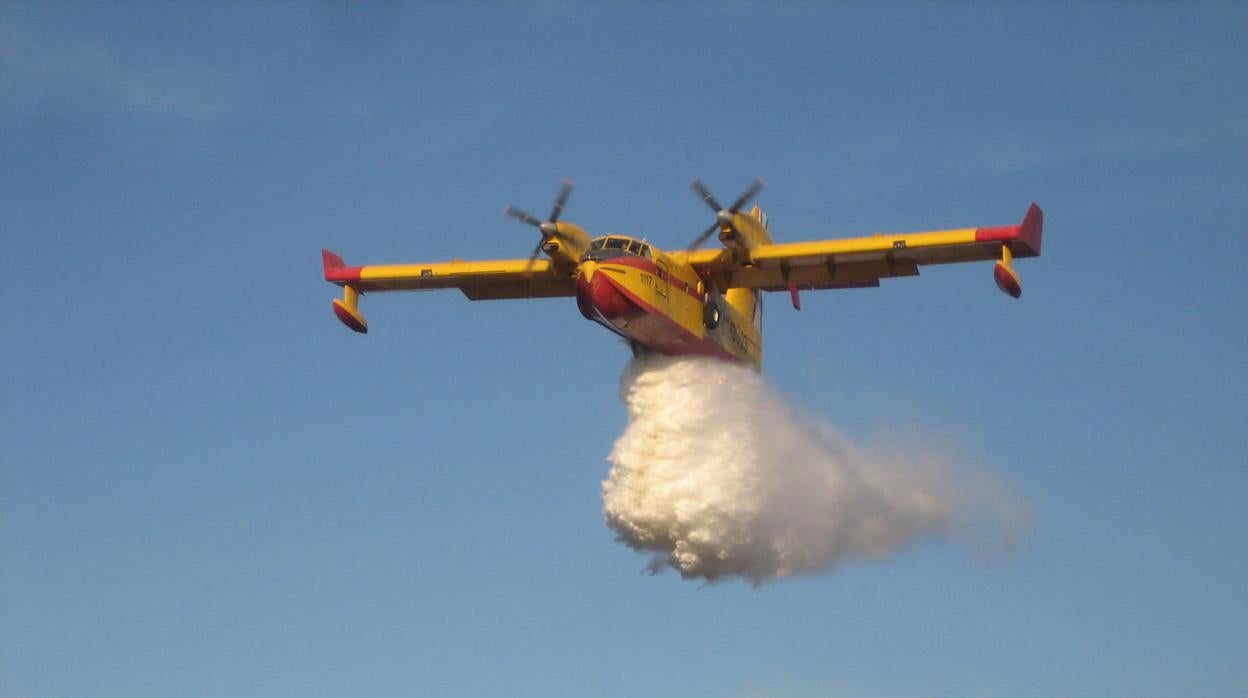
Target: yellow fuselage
663	306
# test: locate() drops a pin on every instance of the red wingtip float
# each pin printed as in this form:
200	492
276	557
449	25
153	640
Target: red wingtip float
350	316
690	301
1007	280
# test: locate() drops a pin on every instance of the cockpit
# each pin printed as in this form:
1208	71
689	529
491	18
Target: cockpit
614	246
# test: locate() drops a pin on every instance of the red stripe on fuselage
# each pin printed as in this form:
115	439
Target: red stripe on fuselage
646	265
611	304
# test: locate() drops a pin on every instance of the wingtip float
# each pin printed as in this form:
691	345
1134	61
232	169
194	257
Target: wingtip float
348	308
691	301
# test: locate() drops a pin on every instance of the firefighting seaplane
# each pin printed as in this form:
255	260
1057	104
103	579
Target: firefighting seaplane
693	301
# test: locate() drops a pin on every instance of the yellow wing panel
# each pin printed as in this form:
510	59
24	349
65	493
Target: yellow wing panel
878	246
478	280
860	261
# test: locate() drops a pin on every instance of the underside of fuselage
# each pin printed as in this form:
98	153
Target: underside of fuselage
653	306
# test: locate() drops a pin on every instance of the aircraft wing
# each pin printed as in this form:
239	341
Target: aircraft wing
478	280
863	261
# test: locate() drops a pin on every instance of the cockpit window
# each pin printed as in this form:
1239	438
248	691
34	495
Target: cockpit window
605	247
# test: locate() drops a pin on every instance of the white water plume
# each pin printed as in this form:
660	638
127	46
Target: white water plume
718	476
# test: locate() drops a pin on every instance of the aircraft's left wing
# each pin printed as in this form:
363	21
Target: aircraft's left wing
863	261
478	280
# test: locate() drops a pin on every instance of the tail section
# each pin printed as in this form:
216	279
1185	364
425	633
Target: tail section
752	227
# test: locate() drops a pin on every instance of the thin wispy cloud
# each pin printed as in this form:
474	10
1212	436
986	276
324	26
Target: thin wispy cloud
37	70
1014	152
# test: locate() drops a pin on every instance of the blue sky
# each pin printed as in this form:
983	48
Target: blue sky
209	487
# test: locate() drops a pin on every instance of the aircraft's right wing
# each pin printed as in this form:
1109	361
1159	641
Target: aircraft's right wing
478	280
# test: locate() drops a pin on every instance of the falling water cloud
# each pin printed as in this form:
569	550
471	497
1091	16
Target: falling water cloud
717	476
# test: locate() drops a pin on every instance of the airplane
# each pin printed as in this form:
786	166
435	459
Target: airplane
694	301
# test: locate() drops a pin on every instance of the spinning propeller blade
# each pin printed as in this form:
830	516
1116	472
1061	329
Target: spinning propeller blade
548	228
522	216
755	187
704	236
723	216
702	191
564	192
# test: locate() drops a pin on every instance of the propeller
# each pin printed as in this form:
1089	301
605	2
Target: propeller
548	228
723	216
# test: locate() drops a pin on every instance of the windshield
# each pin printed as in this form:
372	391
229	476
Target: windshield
612	246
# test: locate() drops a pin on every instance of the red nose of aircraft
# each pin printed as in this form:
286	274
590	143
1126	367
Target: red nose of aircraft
598	297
